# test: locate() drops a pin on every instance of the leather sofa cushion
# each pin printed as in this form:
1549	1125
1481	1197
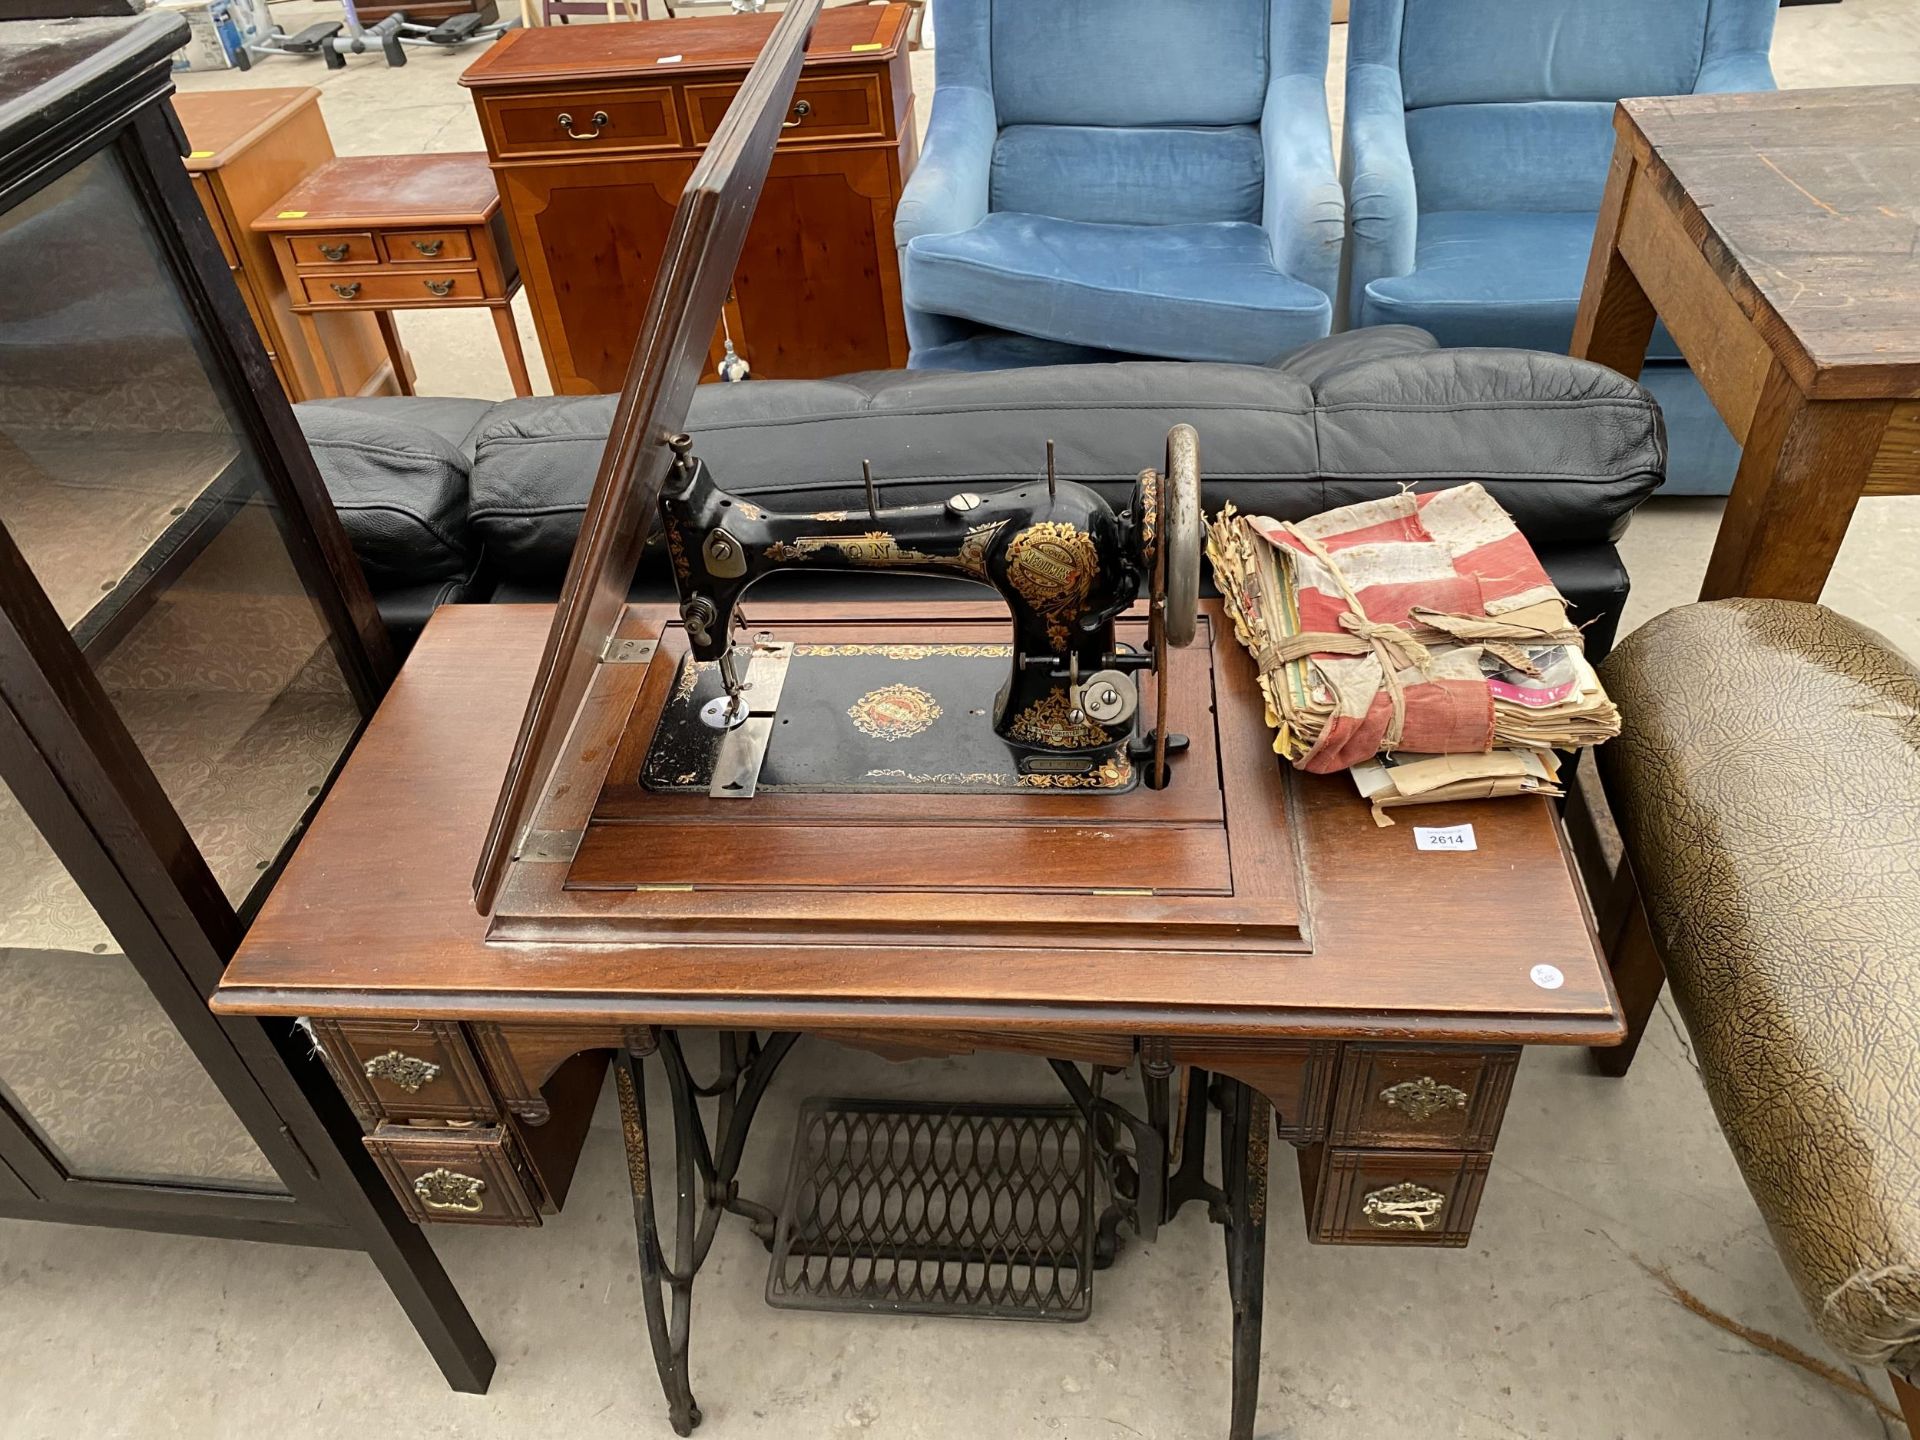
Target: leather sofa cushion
1767	789
398	482
1569	448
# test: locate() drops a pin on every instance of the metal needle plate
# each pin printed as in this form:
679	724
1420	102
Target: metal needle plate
736	769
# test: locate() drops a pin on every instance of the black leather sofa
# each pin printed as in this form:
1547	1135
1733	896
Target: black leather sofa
468	499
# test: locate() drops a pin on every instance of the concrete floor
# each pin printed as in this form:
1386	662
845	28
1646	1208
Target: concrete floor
1616	1266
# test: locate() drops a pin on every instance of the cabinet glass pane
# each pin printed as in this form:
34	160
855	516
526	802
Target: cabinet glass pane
139	502
87	1056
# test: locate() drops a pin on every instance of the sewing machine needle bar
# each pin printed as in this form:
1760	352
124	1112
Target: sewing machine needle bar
743	750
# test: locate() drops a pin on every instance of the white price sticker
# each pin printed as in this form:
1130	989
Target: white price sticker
1547	977
1444	837
669	59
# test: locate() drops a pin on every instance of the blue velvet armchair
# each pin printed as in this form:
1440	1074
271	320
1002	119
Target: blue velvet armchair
1105	179
1478	134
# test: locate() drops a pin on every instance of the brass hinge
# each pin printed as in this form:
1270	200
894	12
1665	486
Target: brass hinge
560	845
663	887
627	652
1120	892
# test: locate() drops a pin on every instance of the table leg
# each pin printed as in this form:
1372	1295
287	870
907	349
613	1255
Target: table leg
390	335
317	349
1615	319
1801	474
706	1187
1246	1128
510	347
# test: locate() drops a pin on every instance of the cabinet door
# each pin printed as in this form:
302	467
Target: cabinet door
819	280
589	238
91	1066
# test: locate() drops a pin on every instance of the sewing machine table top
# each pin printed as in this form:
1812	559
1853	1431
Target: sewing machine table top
1240	900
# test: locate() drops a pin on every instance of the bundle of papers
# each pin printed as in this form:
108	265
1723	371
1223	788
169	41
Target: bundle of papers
1415	640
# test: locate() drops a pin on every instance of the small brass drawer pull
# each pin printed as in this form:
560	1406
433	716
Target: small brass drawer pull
347	292
440	287
409	1072
801	109
335	252
1423	1099
445	1189
1405	1206
429	248
601	120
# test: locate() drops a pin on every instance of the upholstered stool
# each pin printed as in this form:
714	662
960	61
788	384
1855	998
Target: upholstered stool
1767	788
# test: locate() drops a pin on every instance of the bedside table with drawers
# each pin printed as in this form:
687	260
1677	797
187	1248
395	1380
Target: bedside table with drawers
381	233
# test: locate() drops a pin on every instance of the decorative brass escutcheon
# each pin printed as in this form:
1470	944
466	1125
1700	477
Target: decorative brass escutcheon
440	287
1405	1206
1424	1098
429	248
445	1189
409	1072
334	252
347	292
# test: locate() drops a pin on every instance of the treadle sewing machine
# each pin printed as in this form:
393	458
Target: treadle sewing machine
925	830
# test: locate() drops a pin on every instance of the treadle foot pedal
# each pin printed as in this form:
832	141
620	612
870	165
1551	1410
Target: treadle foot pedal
943	1209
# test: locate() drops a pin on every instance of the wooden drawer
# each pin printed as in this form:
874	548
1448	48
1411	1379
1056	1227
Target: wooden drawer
836	107
425	247
1391	1197
396	1070
389	289
354	247
636	119
1421	1097
465	1177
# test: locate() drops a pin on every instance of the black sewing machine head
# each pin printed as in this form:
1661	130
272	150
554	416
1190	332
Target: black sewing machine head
1062	558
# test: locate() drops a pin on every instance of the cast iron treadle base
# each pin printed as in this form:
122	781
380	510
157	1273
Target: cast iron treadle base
976	1210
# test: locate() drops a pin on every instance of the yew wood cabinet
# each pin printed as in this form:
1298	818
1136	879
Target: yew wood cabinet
593	130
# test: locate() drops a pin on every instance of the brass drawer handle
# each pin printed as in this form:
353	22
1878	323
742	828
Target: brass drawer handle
429	248
801	109
1405	1206
347	292
408	1072
601	121
440	287
445	1189
335	252
1423	1099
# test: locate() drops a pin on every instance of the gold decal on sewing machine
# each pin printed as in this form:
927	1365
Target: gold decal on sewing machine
748	510
908	652
1405	1206
1053	565
1149	518
878	550
1114	775
1049	722
677	551
690	672
894	712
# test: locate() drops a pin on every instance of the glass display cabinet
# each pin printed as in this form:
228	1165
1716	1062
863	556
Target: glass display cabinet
187	653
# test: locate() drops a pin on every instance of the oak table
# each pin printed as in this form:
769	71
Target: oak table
1347	992
382	233
1778	236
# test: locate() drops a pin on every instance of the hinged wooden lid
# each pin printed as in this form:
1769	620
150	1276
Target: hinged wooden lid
696	269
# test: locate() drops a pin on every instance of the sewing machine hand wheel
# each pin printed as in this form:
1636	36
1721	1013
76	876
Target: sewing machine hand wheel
1177	580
